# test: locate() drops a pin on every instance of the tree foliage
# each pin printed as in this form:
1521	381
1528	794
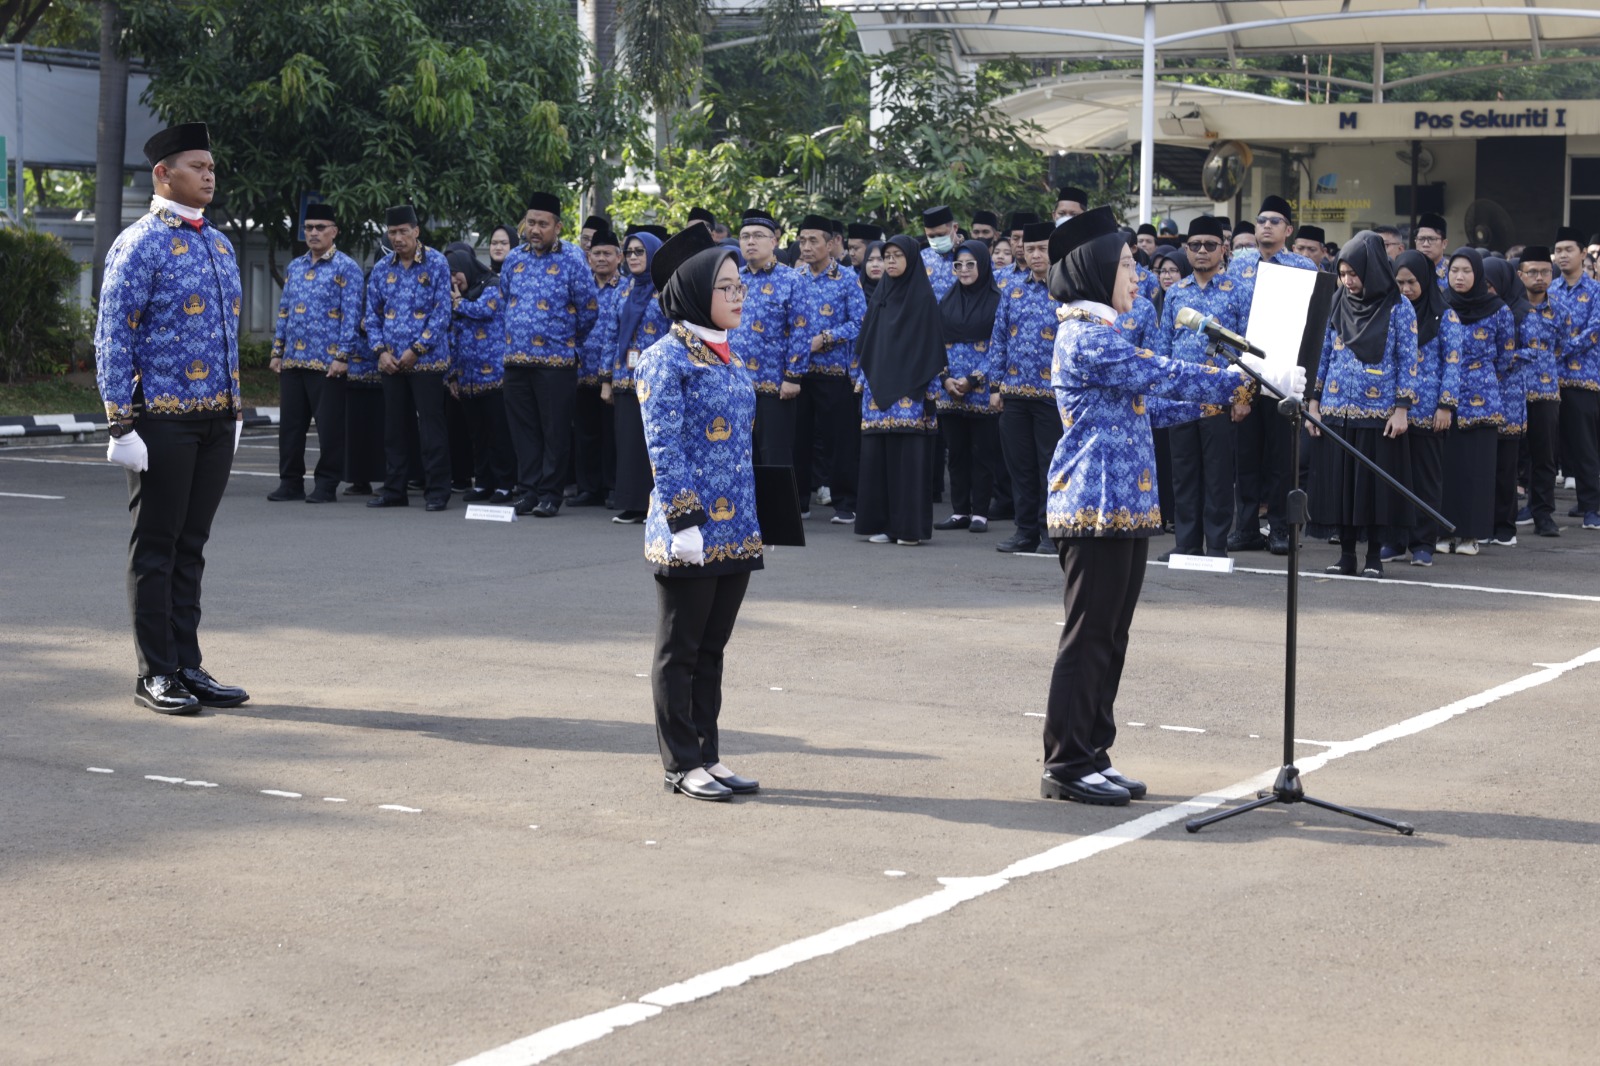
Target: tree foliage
38	327
460	109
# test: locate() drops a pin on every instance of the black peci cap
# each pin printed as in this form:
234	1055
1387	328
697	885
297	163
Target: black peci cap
816	222
1312	233
1021	220
758	216
986	218
864	231
320	213
187	137
1206	226
604	237
1072	194
937	216
1279	205
1080	230
1433	222
1536	253
700	214
404	215
544	201
596	223
1568	233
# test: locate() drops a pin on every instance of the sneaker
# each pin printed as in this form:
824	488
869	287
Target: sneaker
1506	541
628	518
1470	547
1525	517
843	518
878	538
823	497
908	543
1546	526
1591	520
1393	553
1445	547
1421	557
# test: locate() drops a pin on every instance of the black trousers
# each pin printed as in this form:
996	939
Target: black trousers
1261	444
458	437
415	400
846	484
1427	481
1029	431
1103	578
304	395
594	456
1580	444
825	402
694	619
539	406
634	479
494	463
774	429
974	449
1505	486
1162	439
1536	467
172	505
363	440
1202	483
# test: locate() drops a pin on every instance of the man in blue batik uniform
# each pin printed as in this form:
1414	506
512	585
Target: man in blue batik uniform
408	330
319	319
767	339
939	257
1579	296
594	459
167	363
551	305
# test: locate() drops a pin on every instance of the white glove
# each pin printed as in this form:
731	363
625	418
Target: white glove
1287	380
688	546
129	451
238	430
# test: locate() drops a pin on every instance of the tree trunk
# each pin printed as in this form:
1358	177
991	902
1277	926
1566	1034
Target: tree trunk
112	136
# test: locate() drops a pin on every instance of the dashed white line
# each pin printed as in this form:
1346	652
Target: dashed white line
30	496
99	770
397	807
1033	714
333	799
164	780
280	792
1183	729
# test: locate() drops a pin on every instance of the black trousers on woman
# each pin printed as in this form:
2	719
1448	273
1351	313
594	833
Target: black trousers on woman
1505	486
694	619
493	459
1427	481
1469	462
1104	576
974	449
634	482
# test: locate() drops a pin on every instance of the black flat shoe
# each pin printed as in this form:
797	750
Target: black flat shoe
525	505
381	500
1346	566
323	497
711	790
209	691
1104	794
1373	568
1247	543
165	694
1136	789
955	522
628	518
978	525
289	491
359	488
1017	544
476	495
437	505
734	783
546	509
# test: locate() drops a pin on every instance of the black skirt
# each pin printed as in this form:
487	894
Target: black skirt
894	495
1469	456
632	492
1344	492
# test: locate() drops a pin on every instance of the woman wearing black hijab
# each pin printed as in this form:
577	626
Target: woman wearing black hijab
901	351
1363	392
1472	383
1504	283
640	323
969	399
1102	508
1171	266
477	374
701	533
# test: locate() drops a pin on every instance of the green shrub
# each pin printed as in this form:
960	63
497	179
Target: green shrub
39	325
254	354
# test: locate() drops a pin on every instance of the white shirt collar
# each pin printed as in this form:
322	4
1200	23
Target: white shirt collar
193	214
1099	310
714	336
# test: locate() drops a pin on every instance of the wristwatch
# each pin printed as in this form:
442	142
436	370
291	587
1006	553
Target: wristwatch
118	430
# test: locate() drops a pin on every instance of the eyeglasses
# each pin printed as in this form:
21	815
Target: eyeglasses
635	251
1538	272
1271	220
315	227
1429	240
968	265
732	293
1204	246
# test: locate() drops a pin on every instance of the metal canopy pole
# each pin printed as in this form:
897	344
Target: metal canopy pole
16	67
1147	117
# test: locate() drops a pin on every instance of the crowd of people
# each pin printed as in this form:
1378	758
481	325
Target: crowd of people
1472	376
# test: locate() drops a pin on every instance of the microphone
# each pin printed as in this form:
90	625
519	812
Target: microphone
1189	318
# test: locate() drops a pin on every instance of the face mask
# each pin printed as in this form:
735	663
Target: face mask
942	245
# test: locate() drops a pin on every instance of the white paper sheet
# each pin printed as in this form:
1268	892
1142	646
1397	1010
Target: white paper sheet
1278	312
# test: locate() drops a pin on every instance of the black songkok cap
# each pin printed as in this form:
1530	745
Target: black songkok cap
1146	230
1279	205
1073	194
320	213
404	215
678	250
1034	232
1021	220
659	232
604	237
1566	233
1245	226
816	222
700	214
595	222
544	201
757	216
1224	222
1080	230
986	218
1206	226
1433	222
1312	233
188	137
838	227
1535	253
937	216
864	231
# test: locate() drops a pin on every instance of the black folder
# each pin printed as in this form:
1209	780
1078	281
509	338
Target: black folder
778	507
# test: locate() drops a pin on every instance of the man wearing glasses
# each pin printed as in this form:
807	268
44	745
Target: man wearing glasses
312	347
1393	243
1429	239
1262	437
775	351
1579	296
1203	460
1544	331
831	306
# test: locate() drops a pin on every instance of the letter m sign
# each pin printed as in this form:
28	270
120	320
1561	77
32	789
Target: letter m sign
1347	120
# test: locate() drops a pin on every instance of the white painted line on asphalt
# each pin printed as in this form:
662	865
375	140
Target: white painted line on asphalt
397	807
894	873
1427	584
1033	714
1133	723
1318	743
104	465
99	770
201	784
549	1042
279	792
164	780
30	496
333	799
1183	729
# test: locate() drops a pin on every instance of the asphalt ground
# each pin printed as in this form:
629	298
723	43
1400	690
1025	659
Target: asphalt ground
437	829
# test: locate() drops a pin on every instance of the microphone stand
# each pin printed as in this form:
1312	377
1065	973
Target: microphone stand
1288	787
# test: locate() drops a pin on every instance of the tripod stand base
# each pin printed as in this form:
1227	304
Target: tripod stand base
1288	789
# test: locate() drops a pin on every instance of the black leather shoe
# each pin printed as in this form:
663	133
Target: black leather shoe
1346	566
525	505
1136	789
585	499
546	509
476	495
1278	544
628	518
1246	543
323	496
978	525
382	500
1105	794
712	790
437	505
287	490
739	786
359	488
209	691
1017	543
955	522
1546	526
165	694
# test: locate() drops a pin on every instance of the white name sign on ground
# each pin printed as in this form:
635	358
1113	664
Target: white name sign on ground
483	512
1209	563
1278	312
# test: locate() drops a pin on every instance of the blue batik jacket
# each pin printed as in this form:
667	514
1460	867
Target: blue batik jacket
1472	379
940	269
769	337
1242	272
1141	324
1367	393
1025	333
551	304
917	413
409	307
1580	358
478	344
698	413
979	362
625	353
167	337
832	306
1216	299
319	314
1425	376
1543	334
1109	394
600	347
